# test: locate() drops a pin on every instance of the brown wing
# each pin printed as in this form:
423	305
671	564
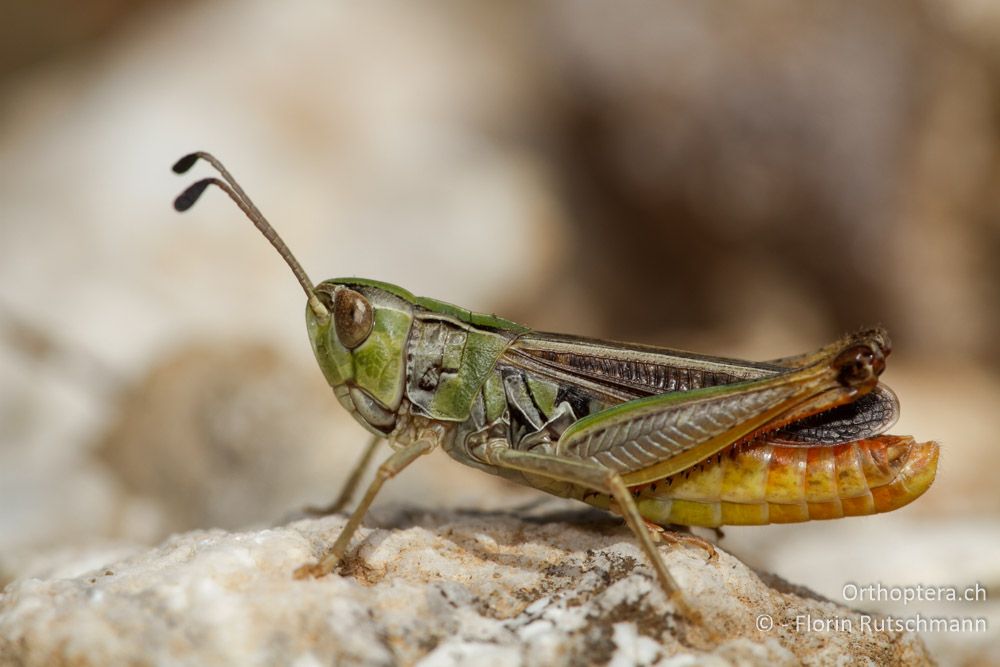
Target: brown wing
619	372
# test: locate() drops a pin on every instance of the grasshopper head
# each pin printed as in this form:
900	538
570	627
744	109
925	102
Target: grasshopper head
358	328
361	348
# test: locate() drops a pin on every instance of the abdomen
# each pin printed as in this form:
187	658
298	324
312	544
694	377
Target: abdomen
765	483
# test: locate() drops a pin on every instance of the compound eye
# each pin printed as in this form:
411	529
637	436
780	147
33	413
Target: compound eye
352	317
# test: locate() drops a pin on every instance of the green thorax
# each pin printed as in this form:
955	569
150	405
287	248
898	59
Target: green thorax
448	362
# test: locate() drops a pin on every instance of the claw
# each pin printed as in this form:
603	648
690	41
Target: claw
305	571
674	538
313	570
328	510
692	540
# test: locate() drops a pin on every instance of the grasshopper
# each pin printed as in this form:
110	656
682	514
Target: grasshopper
658	436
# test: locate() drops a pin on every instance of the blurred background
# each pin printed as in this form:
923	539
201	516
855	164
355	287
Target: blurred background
744	179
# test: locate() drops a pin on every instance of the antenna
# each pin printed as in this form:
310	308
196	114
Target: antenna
187	199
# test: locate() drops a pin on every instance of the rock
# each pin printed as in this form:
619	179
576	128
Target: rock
443	588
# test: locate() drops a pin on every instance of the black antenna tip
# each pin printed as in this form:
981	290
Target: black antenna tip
186	199
185	163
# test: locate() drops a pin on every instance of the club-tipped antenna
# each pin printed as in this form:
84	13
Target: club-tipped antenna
187	199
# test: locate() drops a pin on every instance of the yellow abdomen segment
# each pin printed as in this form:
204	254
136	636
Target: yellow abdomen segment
768	483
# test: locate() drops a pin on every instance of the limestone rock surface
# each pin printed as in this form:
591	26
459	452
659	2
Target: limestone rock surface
442	588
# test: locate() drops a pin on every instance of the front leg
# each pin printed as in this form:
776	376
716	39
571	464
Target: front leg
603	480
347	492
389	469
